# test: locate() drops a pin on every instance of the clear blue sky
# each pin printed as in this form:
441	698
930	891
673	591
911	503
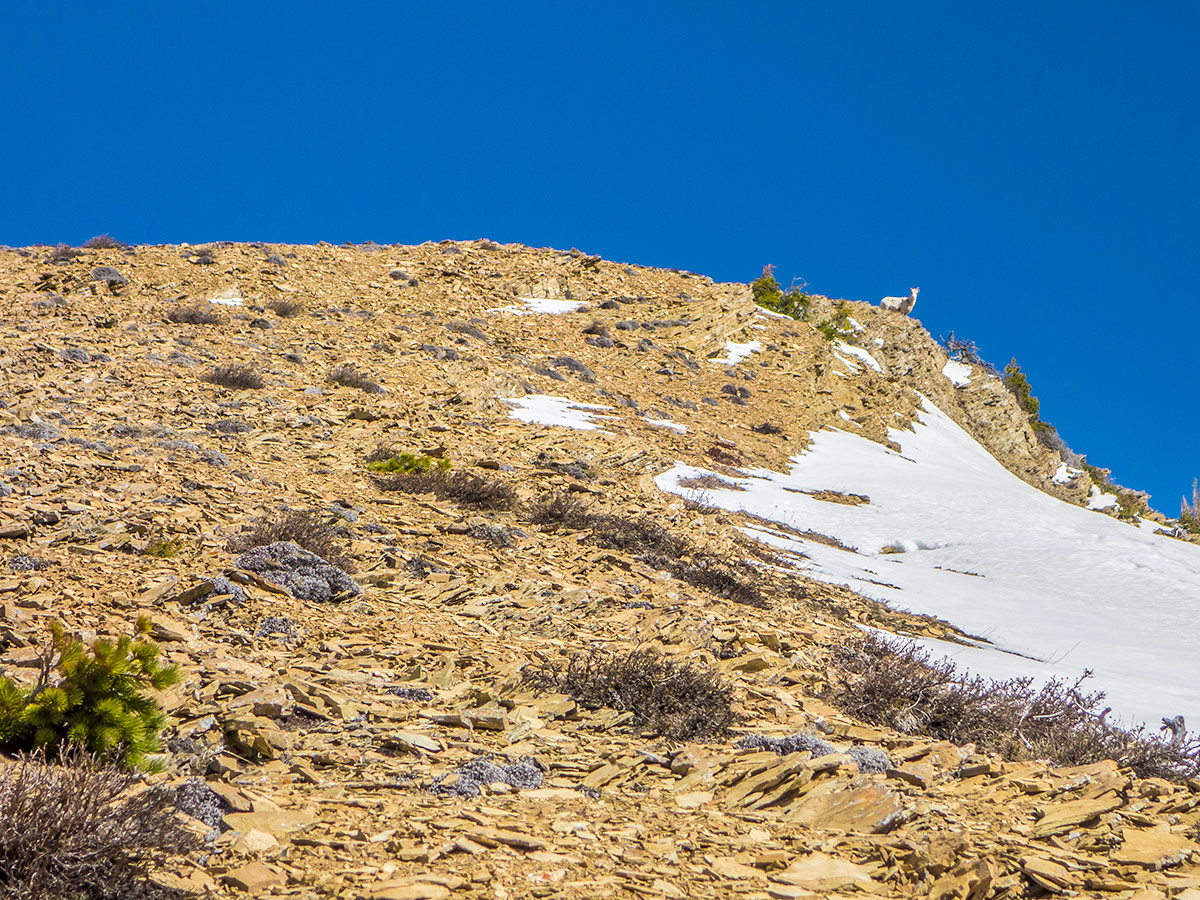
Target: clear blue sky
1033	169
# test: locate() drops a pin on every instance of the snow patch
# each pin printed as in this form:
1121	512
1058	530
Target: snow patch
858	353
667	423
1101	500
957	372
771	313
543	409
1051	588
1065	474
227	297
735	352
534	305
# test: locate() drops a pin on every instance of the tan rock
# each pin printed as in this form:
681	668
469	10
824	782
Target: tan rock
1064	816
838	805
275	823
253	878
1153	849
820	872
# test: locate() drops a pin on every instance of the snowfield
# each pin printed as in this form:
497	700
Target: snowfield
1051	588
544	409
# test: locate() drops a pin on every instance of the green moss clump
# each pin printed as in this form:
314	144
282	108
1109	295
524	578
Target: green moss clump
409	462
838	326
91	697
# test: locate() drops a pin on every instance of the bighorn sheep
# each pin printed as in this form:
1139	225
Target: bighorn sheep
902	305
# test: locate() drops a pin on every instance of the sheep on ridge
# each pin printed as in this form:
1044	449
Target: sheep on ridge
902	305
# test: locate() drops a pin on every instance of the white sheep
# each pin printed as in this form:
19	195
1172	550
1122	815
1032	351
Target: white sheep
903	305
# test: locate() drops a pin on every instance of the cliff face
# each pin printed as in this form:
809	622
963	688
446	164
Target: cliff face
129	461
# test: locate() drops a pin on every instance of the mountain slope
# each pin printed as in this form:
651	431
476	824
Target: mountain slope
128	467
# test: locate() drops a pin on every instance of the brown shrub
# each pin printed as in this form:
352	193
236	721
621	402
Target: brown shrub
650	542
202	314
898	684
63	253
674	698
462	487
235	376
284	308
348	375
304	528
84	831
103	242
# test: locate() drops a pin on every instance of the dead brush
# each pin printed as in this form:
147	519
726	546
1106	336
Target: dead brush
304	528
237	377
650	542
348	375
461	487
674	698
285	308
79	830
194	315
898	684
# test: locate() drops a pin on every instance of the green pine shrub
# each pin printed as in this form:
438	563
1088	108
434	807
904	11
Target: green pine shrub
406	462
838	326
90	697
1189	514
769	295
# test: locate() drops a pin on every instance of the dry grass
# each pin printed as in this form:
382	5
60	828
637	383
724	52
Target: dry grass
462	487
82	831
651	543
304	528
284	308
676	699
348	375
237	377
202	314
898	684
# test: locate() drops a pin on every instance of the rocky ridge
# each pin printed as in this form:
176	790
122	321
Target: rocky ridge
382	743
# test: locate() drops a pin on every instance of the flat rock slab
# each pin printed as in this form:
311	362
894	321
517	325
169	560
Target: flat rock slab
1065	816
820	872
254	878
274	823
871	807
1153	849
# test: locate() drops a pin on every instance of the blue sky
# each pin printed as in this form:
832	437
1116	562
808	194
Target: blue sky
1033	168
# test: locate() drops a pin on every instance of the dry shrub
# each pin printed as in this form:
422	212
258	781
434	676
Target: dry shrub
194	315
709	482
304	528
651	543
63	253
462	487
675	698
348	375
284	308
235	376
898	684
84	831
103	242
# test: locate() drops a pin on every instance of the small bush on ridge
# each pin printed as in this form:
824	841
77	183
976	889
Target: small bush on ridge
103	242
769	295
680	700
81	830
284	308
62	254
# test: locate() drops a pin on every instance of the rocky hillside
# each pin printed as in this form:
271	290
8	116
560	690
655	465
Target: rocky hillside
380	737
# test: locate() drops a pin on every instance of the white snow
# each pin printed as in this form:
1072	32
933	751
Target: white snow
845	415
855	324
1053	587
859	353
542	305
667	423
735	352
845	362
226	297
772	313
1101	500
1064	474
544	409
959	373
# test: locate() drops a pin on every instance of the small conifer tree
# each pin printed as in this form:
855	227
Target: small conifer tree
91	697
